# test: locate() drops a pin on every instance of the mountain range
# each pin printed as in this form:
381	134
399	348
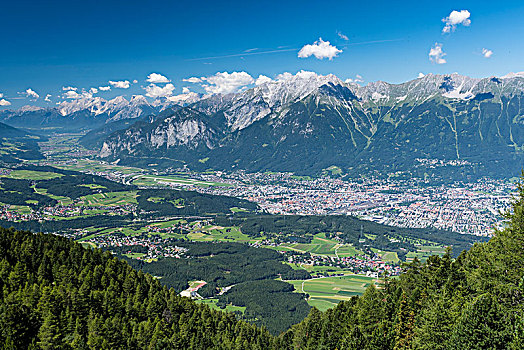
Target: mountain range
308	123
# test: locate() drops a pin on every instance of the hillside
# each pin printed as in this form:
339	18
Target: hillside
16	144
57	294
309	123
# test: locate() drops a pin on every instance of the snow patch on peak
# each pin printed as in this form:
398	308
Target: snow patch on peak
28	108
513	75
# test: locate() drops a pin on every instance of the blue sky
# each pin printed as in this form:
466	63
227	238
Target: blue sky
49	45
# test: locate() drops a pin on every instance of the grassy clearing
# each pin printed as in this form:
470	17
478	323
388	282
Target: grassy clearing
150	180
425	251
108	199
213	304
32	175
325	293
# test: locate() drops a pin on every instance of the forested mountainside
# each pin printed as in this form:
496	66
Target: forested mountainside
56	294
16	144
307	124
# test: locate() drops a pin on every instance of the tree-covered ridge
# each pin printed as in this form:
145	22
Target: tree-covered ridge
58	295
473	302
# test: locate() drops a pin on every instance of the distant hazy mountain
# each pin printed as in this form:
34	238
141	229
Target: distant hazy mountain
16	144
85	113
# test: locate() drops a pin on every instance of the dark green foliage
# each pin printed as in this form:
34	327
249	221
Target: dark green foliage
58	295
18	144
107	221
268	303
18	192
349	229
251	270
177	202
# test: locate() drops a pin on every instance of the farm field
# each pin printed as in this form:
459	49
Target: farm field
320	245
108	199
31	175
212	303
425	251
155	180
327	292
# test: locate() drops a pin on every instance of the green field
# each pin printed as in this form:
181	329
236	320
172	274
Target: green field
325	293
320	245
32	175
213	304
108	199
425	251
150	180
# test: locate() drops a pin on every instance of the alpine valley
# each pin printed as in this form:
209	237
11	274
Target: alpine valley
307	123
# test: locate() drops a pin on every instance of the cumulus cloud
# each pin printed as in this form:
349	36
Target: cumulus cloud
156	91
420	75
72	94
358	79
320	49
487	53
225	83
104	88
193	80
436	55
31	94
67	88
4	102
1	95
122	84
454	19
93	90
47	99
135	81
156	78
343	36
262	79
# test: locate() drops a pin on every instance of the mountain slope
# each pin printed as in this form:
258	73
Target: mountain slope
306	125
59	295
16	144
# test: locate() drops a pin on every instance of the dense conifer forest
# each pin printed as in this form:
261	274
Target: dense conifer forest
58	295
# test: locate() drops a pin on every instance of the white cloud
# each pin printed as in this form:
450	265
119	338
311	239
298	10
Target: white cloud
67	88
455	18
225	83
1	95
343	36
156	91
320	49
122	84
31	94
135	81
93	90
262	79
47	99
487	53
104	88
71	94
436	54
421	75
4	102
156	78
358	79
185	90
193	80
